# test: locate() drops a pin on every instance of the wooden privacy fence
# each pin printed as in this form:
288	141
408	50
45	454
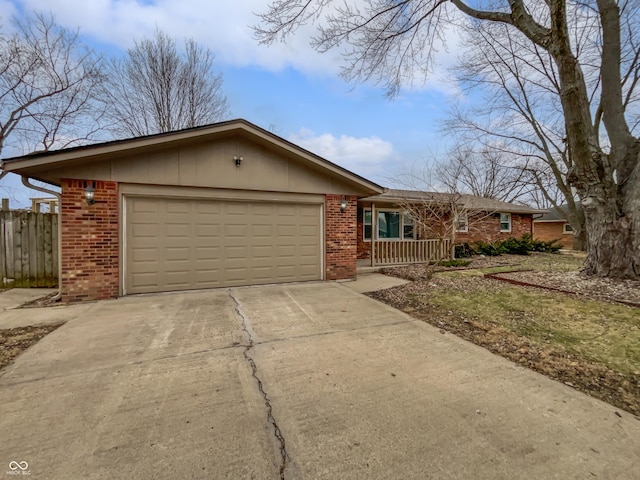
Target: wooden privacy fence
390	252
28	249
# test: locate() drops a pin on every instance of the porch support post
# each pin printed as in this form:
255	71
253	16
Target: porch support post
374	230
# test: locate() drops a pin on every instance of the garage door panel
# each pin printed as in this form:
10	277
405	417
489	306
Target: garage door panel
207	253
142	254
176	206
204	230
180	244
144	280
262	252
145	230
145	205
262	231
208	208
286	210
237	230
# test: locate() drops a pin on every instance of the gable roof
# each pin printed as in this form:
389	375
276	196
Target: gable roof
30	164
470	202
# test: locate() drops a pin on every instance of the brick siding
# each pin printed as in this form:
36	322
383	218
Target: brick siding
487	228
341	237
89	242
548	231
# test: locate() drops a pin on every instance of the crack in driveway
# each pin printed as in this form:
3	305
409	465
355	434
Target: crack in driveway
246	327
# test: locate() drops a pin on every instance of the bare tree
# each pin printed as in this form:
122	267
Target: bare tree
157	89
443	212
390	40
517	115
485	173
49	87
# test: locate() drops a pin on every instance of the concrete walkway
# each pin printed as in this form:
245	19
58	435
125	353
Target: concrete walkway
14	297
300	381
11	316
371	282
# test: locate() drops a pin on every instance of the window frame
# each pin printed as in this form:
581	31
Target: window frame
465	217
567	232
402	213
507	215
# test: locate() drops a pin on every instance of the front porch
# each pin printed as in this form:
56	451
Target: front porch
388	234
384	253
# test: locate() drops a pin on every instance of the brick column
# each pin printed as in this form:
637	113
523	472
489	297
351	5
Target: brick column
89	242
341	237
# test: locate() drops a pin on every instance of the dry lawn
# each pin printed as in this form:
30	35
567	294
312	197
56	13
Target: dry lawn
588	343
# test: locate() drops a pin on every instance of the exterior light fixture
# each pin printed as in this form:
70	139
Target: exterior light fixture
238	160
89	193
343	205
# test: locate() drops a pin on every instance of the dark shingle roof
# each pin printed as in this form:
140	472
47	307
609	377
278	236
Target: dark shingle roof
471	202
557	214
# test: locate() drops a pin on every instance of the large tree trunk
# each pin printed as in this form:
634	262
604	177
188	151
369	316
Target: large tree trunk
613	229
608	184
580	240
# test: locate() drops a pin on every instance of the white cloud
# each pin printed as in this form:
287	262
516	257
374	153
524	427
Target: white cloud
222	26
362	155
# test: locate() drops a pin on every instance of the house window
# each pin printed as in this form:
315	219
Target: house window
392	225
462	223
367	225
567	228
388	224
505	222
407	226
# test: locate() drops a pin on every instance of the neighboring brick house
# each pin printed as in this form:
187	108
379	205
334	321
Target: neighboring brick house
222	205
398	235
554	226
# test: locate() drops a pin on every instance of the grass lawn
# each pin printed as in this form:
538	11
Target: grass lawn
603	332
591	345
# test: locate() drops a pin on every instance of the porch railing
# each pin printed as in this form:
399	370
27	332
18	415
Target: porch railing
394	252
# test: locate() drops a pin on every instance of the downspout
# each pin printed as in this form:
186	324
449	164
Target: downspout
25	182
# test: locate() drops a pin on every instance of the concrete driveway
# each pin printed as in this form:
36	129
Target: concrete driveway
302	382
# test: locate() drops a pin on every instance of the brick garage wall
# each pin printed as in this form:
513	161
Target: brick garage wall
487	228
341	237
89	242
548	231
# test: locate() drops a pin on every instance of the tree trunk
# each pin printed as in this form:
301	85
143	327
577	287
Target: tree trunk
580	239
613	229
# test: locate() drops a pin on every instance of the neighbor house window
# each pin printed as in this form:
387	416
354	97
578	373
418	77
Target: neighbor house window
392	225
505	222
567	228
462	222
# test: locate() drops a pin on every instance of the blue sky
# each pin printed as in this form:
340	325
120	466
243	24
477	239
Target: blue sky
287	88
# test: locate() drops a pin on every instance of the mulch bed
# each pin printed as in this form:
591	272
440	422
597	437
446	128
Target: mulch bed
604	289
14	341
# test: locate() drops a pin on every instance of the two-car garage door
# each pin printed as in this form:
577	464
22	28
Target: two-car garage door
183	244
